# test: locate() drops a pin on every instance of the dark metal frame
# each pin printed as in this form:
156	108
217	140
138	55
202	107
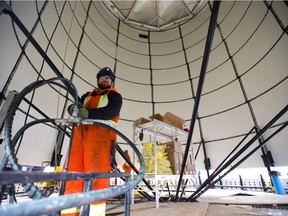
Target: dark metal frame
209	182
212	24
52	205
4	8
55	204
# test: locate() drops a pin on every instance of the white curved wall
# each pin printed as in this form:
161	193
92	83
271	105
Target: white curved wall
246	80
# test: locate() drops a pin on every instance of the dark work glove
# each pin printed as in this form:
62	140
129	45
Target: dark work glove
83	112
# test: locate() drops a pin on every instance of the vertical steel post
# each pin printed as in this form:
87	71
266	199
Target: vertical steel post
85	209
127	198
63	185
211	29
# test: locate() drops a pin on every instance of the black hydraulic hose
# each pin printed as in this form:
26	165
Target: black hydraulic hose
51	205
18	99
46	117
4	161
32	190
10	149
44	206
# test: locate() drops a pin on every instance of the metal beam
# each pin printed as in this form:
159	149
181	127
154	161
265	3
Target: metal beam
8	10
207	50
209	180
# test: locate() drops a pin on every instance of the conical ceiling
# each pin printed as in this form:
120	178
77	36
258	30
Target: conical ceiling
244	88
155	15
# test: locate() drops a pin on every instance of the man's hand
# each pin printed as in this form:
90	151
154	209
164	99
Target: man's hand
83	112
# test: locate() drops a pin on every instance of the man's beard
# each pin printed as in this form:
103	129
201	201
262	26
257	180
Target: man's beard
103	86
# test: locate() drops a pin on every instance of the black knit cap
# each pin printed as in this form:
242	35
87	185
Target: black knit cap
106	71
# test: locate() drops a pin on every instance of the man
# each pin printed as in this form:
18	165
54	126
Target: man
93	145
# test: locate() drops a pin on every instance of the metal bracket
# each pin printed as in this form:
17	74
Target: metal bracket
75	120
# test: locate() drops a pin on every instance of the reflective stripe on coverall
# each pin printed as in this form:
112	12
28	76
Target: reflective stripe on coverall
91	151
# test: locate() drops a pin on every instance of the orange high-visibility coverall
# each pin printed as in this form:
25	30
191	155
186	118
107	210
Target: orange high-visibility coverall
126	167
91	147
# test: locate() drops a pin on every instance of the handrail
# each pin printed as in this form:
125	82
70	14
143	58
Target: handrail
51	205
9	177
71	200
54	204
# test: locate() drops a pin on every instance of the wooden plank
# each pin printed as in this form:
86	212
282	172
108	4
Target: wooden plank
169	208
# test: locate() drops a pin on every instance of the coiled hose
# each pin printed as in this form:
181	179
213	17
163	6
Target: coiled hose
31	189
61	202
